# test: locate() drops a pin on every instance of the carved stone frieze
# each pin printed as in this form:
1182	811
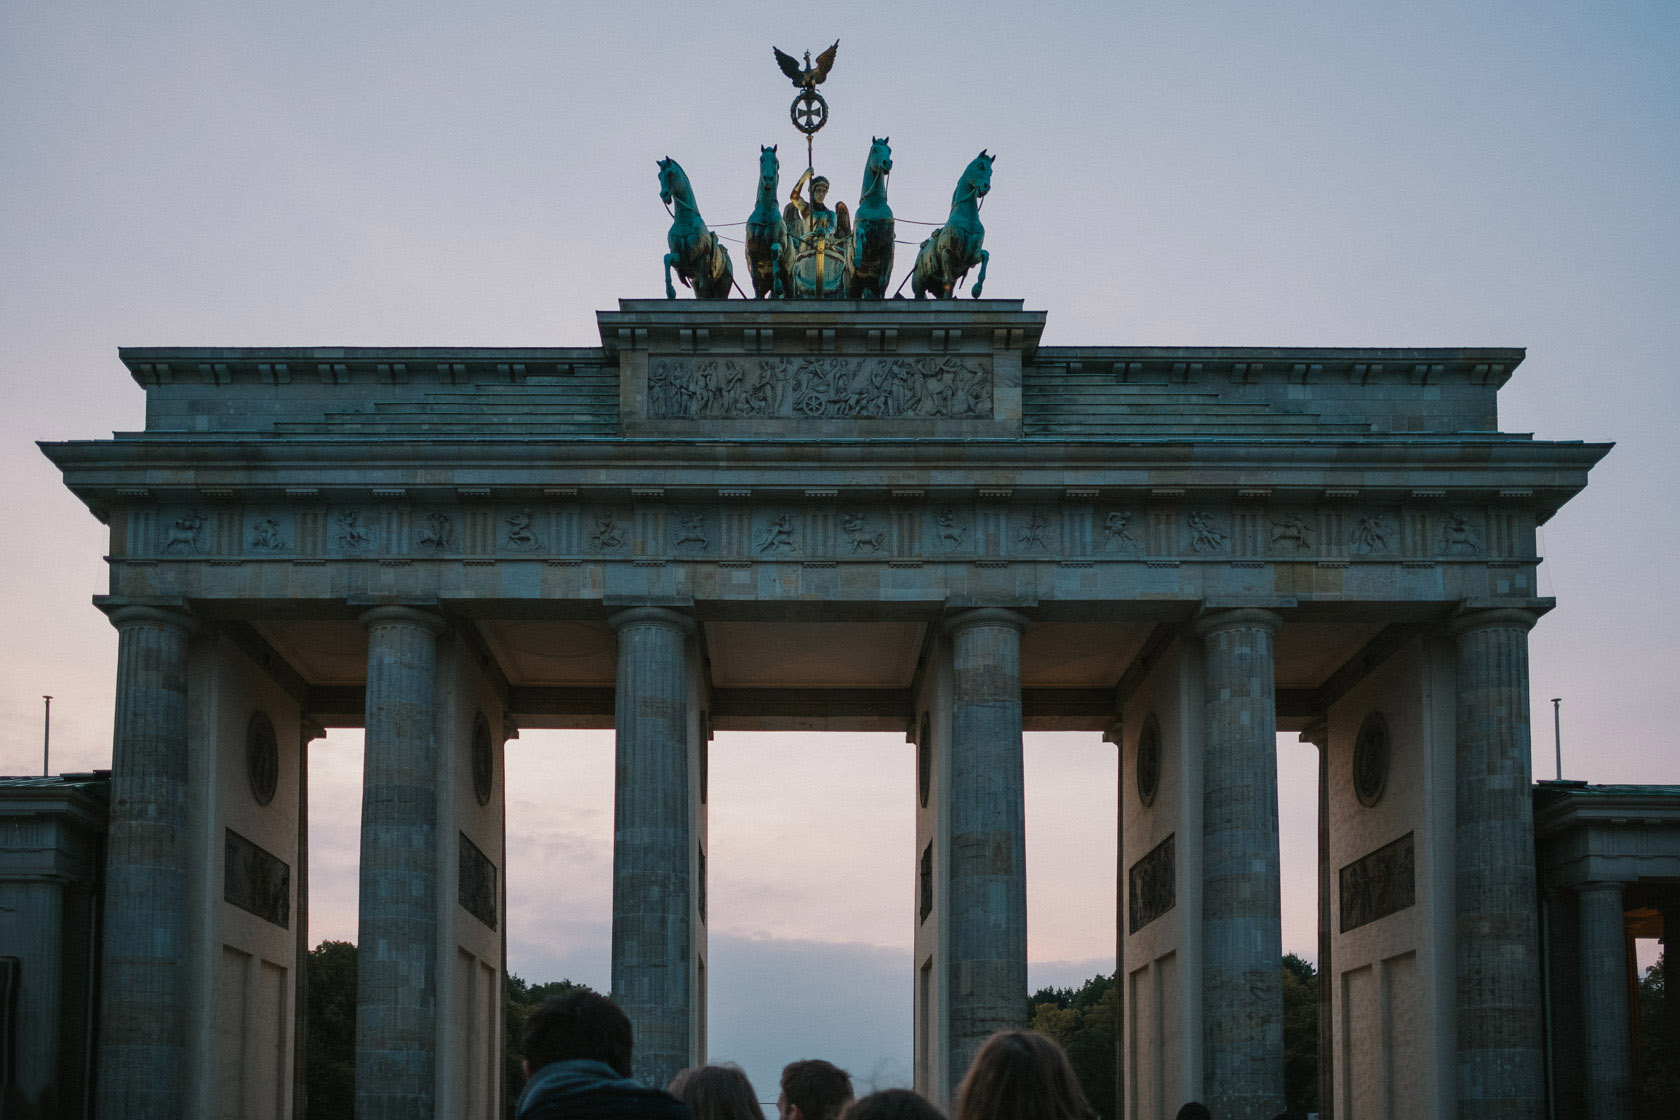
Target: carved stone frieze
184	533
1151	886
1375	534
1379	884
519	534
256	881
476	883
875	388
989	528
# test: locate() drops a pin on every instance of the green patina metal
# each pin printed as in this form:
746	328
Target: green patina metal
701	261
809	249
955	247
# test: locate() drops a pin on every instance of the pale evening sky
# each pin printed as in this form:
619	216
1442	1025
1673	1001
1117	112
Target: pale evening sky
1415	174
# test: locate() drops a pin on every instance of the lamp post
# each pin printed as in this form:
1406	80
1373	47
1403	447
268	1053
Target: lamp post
46	740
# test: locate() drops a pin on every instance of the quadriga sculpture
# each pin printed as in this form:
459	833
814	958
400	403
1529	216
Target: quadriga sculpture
769	248
699	257
872	229
955	247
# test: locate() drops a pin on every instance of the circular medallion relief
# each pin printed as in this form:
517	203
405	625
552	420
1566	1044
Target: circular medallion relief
924	760
1149	760
483	760
1370	760
262	757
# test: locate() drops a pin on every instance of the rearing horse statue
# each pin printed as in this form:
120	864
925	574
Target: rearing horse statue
769	248
955	247
872	228
699	257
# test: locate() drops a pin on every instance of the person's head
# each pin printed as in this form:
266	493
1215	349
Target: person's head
892	1104
819	188
1021	1075
577	1024
716	1093
1195	1110
813	1090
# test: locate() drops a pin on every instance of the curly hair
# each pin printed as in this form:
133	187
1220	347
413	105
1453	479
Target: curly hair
1021	1075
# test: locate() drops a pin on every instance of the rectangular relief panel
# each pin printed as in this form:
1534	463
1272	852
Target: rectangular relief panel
1377	885
257	881
1151	886
476	883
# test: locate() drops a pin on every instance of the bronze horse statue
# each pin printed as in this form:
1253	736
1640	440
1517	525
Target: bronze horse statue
701	261
769	248
872	230
955	247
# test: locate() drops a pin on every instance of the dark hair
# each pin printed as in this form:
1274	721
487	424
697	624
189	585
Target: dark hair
1021	1075
819	1089
893	1104
578	1024
716	1093
1195	1110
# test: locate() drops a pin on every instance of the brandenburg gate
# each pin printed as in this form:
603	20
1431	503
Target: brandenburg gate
883	515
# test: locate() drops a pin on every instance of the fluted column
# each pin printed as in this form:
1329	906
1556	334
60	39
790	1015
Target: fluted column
1500	1070
988	856
397	945
653	938
143	982
1242	932
1604	996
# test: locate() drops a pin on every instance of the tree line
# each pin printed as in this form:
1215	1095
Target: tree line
1085	1020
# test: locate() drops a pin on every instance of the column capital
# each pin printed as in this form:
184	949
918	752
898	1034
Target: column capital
1492	618
1317	733
402	616
1601	886
1237	618
124	617
986	616
652	616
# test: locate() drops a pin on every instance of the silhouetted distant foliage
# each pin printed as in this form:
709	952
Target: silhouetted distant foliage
522	999
1300	1034
331	1049
1659	1080
1084	1021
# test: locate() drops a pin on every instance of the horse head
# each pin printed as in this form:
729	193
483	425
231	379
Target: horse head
769	168
880	156
673	182
978	175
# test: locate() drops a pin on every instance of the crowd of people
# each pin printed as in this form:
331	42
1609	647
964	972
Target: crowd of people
577	1067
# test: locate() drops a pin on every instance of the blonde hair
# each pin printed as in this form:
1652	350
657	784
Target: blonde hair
1021	1075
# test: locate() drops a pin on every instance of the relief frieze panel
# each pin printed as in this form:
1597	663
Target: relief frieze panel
828	388
979	527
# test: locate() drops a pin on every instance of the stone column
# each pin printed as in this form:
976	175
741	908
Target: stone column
987	974
1319	736
397	944
1501	1073
653	935
1242	913
1604	998
143	989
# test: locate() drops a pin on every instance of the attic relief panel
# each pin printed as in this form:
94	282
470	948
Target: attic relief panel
746	387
